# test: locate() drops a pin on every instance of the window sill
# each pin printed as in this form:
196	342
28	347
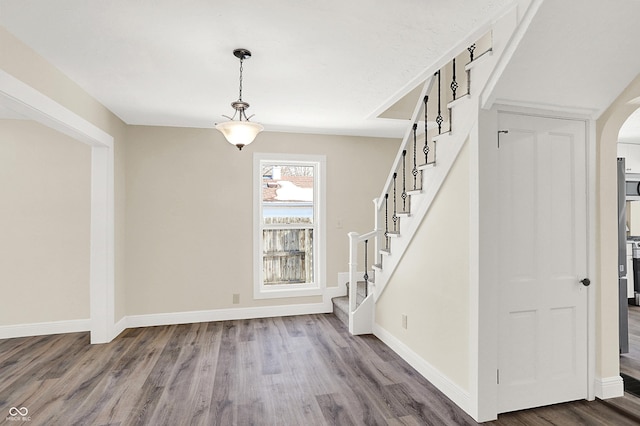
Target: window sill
289	291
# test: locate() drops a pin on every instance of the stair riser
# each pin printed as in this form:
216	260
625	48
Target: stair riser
341	315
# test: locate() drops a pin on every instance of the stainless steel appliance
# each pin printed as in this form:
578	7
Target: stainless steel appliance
632	185
633	269
623	302
635	272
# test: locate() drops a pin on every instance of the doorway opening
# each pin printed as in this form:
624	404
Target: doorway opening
28	102
628	151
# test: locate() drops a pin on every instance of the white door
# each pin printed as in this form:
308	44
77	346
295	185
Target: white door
542	354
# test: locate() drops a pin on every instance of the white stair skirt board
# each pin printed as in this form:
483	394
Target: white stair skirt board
44	328
434	178
454	392
360	322
609	387
465	116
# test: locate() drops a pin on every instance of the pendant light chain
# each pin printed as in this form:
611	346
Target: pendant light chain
241	60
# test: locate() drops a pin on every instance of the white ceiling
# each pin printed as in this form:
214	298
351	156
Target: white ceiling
577	55
317	66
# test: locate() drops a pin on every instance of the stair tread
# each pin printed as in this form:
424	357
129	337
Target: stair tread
340	300
361	289
445	134
442	135
341	303
428	165
486	54
457	100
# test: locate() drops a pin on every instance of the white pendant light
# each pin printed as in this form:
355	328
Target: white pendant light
240	132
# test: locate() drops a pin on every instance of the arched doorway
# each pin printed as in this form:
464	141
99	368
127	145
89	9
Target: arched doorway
607	346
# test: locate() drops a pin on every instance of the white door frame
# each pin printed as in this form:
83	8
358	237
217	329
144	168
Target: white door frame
32	104
487	337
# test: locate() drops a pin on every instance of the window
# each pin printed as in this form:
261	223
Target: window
289	232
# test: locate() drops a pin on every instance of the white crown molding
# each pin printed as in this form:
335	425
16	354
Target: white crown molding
546	110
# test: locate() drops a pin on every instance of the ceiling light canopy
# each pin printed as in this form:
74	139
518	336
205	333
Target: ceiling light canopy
240	132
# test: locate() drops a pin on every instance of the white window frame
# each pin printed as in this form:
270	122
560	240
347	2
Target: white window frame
260	291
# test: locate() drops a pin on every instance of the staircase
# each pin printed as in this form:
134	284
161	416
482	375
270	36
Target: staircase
441	123
341	303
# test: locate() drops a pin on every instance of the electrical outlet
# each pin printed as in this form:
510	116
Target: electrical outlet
404	321
236	298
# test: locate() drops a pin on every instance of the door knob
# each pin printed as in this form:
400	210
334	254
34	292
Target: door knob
585	282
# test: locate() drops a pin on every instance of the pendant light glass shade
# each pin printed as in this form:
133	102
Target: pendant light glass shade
239	133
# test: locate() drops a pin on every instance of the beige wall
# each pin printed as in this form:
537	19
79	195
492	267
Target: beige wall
431	284
190	220
181	261
23	63
44	212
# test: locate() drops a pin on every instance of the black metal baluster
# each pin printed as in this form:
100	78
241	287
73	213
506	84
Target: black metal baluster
414	171
386	221
404	185
454	83
471	49
366	275
395	210
439	118
425	149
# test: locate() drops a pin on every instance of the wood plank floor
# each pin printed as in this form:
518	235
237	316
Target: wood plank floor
303	370
630	362
630	365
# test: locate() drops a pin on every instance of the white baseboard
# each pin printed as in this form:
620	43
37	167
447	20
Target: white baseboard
458	395
119	327
609	387
151	320
44	328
